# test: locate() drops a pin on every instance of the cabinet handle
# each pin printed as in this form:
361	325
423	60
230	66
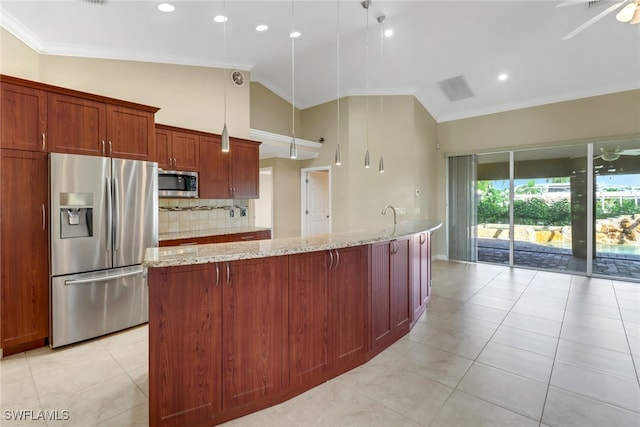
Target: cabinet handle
44	142
103	152
330	259
110	150
228	275
423	238
217	275
337	258
44	218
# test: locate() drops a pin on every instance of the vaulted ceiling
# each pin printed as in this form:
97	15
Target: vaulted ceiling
432	41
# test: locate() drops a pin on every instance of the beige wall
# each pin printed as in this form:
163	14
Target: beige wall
271	113
402	132
286	195
189	97
588	119
17	59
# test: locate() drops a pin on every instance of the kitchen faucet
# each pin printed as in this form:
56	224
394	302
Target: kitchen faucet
384	212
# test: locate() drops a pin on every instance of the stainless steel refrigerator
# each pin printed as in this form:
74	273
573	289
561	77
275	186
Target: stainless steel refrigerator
104	214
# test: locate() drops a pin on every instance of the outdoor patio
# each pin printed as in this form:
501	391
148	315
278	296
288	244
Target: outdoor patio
527	254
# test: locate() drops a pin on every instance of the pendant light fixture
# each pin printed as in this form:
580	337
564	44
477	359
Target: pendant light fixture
338	159
366	4
293	150
381	20
225	132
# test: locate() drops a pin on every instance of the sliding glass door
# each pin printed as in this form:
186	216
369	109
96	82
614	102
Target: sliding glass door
568	208
550	208
616	236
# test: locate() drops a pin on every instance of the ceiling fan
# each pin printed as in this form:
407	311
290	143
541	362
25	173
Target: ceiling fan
612	154
630	13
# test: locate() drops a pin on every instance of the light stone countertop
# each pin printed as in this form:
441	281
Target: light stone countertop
219	252
208	232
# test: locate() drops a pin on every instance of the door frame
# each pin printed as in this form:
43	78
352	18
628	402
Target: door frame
303	196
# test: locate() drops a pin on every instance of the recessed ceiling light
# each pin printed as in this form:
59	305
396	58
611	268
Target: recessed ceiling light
388	32
220	18
295	34
262	27
502	77
166	7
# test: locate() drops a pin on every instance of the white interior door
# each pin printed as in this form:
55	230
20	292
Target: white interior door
317	213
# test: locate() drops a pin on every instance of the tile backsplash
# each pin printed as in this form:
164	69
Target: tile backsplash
180	215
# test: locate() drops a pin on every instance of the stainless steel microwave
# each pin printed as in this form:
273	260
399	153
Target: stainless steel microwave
177	184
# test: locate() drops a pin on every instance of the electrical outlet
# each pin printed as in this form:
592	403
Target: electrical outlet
401	211
232	212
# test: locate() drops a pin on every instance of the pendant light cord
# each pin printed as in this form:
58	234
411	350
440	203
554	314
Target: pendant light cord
224	56
293	77
366	75
338	68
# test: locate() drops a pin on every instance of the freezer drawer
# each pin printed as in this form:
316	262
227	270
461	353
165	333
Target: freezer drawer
88	305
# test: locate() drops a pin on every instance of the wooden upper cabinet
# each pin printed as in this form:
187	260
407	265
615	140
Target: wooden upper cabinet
23	118
24	236
214	169
84	126
176	150
76	125
130	132
244	169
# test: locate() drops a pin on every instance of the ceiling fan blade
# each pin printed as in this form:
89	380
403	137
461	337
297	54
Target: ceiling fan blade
632	152
571	3
595	19
627	12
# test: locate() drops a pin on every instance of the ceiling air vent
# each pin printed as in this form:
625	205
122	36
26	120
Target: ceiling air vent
456	88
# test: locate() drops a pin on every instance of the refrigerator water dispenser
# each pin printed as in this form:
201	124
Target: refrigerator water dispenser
76	215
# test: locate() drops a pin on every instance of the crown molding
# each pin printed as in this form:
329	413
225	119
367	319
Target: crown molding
22	33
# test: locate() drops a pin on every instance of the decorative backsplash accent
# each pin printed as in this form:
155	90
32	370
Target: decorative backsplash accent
179	215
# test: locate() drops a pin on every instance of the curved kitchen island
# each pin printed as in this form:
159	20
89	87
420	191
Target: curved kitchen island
237	327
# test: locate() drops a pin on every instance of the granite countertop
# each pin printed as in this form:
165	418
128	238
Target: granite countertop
208	232
220	252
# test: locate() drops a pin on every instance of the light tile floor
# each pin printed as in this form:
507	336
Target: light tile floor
497	347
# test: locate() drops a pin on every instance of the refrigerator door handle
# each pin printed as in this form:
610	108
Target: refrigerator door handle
105	278
116	209
109	214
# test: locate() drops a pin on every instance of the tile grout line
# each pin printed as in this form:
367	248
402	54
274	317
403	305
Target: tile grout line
626	336
485	345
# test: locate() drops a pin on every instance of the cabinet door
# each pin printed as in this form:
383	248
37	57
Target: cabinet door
163	149
348	308
184	149
308	316
23	118
254	329
421	275
130	133
182	390
213	177
381	322
245	169
401	284
76	125
24	280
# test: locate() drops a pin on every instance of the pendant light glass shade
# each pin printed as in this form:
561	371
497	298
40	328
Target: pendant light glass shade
338	155
381	165
293	149
367	162
225	139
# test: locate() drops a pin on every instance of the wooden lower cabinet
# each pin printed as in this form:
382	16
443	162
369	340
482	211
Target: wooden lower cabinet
216	336
185	319
24	260
391	310
421	283
229	338
327	313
